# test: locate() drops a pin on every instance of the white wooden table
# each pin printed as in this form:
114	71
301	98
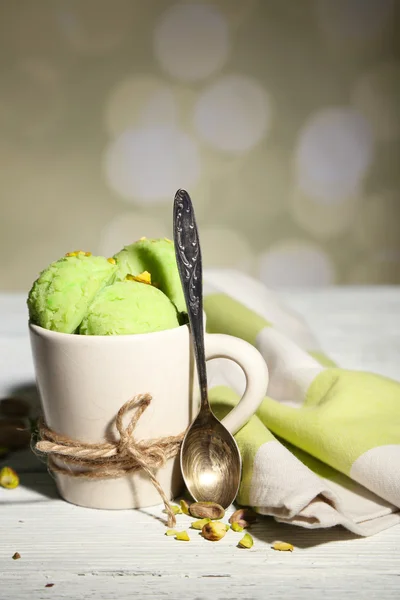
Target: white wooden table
90	554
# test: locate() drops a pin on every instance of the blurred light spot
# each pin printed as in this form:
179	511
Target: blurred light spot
95	26
378	222
233	113
377	95
142	100
147	165
191	41
222	247
293	263
353	19
323	220
126	228
334	150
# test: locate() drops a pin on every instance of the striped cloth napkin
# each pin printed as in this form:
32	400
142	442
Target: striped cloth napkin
324	447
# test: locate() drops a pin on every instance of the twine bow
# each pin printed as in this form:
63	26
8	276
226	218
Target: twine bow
109	460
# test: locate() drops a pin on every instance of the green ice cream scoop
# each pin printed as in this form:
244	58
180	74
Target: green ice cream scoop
60	297
157	257
129	307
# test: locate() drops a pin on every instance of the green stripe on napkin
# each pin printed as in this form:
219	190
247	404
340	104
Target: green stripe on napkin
226	315
345	414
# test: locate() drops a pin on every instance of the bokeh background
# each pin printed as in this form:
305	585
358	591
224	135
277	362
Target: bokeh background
281	118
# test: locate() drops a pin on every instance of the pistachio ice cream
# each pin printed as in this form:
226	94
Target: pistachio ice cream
136	291
128	307
60	297
158	257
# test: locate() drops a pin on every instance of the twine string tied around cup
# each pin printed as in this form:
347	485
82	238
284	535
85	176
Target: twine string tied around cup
108	460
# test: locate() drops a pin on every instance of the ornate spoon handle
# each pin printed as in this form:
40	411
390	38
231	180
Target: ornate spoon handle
188	258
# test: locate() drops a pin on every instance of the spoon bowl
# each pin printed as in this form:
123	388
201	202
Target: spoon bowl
210	461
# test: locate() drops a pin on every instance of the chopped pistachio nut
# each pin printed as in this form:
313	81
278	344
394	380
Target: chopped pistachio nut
200	524
112	261
236	527
184	507
246	541
8	478
214	531
183	536
171	532
227	527
16	556
283	546
211	510
142	239
77	252
144	277
244	517
175	509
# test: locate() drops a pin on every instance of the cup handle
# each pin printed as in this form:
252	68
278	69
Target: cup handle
218	345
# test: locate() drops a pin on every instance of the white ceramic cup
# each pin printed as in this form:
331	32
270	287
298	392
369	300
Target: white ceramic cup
84	380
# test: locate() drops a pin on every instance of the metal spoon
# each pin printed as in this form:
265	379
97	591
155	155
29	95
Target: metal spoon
210	459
